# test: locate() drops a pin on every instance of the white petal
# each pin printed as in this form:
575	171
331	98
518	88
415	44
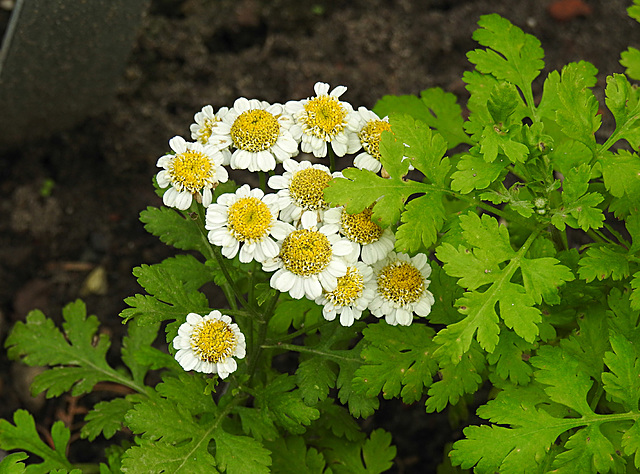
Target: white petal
178	144
312	287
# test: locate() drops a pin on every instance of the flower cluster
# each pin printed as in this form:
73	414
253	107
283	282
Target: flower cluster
344	262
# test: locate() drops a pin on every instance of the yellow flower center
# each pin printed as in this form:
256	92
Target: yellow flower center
307	188
255	130
349	288
370	136
213	340
191	170
401	283
204	132
359	227
306	252
325	117
249	219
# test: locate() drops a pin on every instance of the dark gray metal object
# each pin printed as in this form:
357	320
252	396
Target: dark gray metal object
61	61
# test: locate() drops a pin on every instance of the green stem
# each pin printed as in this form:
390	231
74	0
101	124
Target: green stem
332	158
309	350
599	237
262	176
256	350
214	252
302	331
559	239
621	240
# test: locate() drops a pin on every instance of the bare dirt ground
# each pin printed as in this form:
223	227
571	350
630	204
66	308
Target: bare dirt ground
70	202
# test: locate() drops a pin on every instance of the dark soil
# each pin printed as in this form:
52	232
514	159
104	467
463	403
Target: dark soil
71	201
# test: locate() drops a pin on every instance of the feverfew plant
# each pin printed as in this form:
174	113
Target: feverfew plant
496	256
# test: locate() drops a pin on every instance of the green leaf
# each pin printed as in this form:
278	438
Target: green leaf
419	229
542	277
153	456
620	172
374	455
361	188
475	173
630	59
398	361
292	456
136	345
283	403
582	74
635	295
622	383
566	384
631	443
425	148
315	376
173	229
508	359
579	206
335	347
178	423
622	101
588	450
456	380
171	297
23	435
335	419
481	270
392	154
513	55
603	261
569	154
634	10
257	423
436	108
632	223
106	418
587	344
296	313
240	454
79	360
11	464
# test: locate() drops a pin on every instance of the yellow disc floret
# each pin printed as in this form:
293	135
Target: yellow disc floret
359	227
306	252
307	188
191	170
370	136
249	219
255	130
204	132
325	117
349	289
401	283
213	340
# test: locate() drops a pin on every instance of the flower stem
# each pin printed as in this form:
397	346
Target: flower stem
332	159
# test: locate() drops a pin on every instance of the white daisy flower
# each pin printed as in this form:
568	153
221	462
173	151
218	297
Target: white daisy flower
247	217
401	288
310	260
301	191
259	132
206	121
351	297
209	344
194	170
373	242
325	119
369	135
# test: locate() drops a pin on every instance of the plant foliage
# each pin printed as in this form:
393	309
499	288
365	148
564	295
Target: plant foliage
530	216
